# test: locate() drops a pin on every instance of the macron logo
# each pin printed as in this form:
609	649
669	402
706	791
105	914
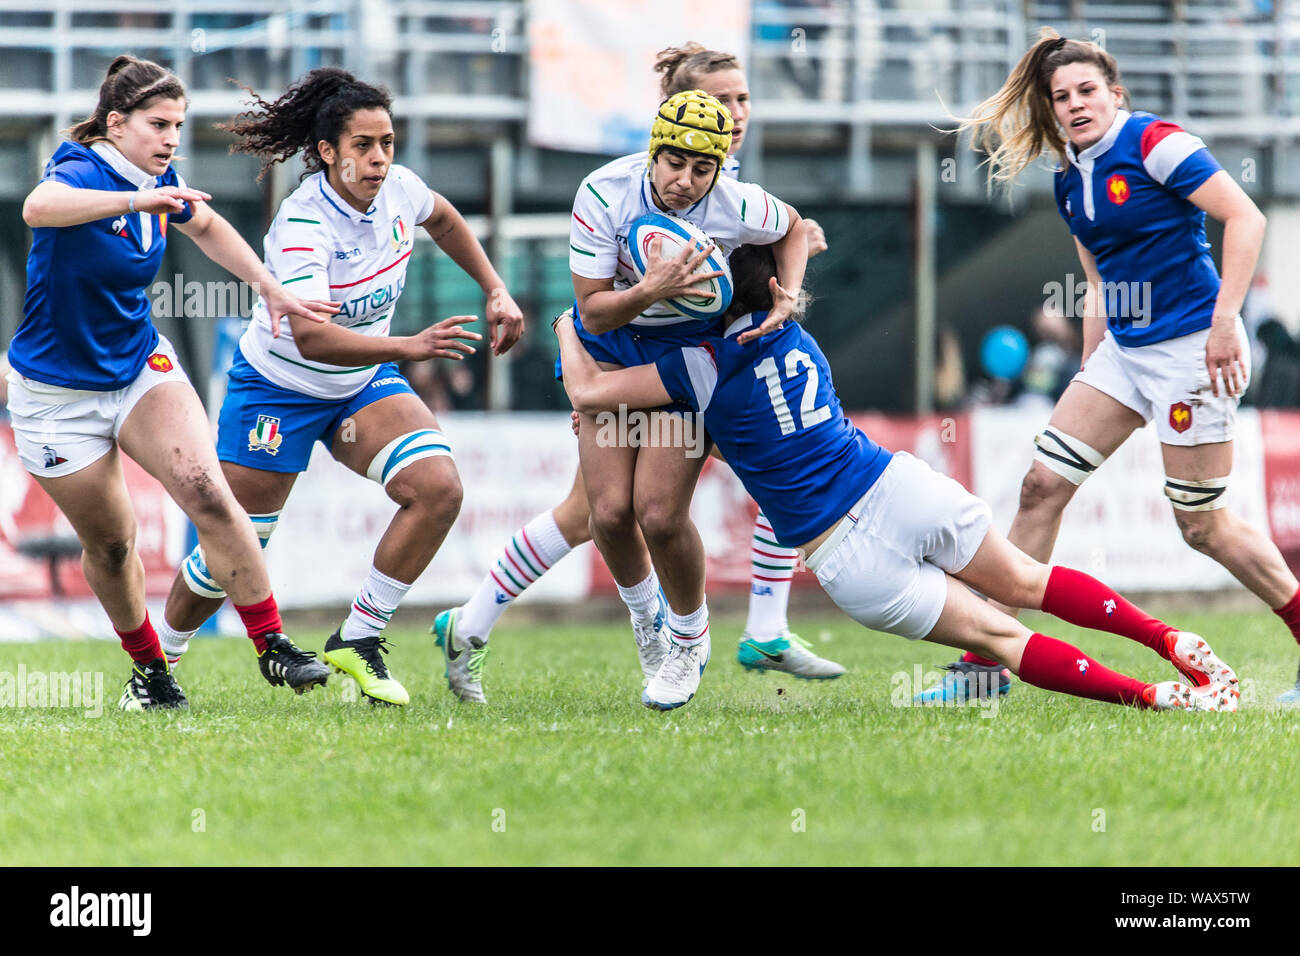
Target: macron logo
102	909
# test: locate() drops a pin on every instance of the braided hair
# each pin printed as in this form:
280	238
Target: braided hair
130	84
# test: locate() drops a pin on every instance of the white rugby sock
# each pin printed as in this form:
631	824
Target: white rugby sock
642	599
174	643
373	606
688	629
771	570
529	554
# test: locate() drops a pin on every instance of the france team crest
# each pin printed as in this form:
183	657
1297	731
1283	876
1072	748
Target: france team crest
266	435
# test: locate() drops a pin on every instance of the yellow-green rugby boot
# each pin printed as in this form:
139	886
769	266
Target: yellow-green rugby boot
361	660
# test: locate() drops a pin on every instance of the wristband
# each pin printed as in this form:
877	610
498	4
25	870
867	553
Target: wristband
131	205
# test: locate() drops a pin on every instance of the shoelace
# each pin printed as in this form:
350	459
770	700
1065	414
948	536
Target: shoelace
477	658
295	652
678	664
374	663
159	685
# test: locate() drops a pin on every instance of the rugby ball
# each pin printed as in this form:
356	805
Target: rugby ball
676	234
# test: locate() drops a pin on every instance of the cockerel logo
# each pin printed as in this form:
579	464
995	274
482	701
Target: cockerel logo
1117	189
1180	417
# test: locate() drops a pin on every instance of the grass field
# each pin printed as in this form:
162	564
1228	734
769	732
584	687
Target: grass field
565	767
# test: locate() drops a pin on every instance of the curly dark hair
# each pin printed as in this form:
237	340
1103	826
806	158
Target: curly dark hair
315	108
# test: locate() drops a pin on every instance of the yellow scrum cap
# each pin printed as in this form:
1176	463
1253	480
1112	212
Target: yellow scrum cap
694	122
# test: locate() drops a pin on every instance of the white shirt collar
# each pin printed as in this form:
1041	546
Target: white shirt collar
128	170
1106	142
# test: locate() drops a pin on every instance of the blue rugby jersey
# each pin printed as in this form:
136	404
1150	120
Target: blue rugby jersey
86	319
1125	199
772	410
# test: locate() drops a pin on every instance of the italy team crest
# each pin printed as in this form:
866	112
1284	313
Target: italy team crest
1117	189
266	435
401	235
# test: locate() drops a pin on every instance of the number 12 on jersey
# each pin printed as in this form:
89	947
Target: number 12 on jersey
808	414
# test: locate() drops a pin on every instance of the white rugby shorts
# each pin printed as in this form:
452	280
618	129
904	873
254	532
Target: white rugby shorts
1168	382
885	563
59	431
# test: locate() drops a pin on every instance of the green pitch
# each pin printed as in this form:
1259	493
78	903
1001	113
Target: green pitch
565	767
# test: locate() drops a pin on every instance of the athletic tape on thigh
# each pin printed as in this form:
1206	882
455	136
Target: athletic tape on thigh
1189	495
405	450
1067	456
195	568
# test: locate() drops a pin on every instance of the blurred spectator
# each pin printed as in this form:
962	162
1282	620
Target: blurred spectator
949	371
1056	355
444	386
1279	384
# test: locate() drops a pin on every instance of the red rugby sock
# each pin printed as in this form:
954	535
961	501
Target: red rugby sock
1083	600
970	657
1290	614
142	643
1056	665
261	619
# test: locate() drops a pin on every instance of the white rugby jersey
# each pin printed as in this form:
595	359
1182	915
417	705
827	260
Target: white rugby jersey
319	247
617	194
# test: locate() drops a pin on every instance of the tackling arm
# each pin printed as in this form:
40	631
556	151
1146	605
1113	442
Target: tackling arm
592	389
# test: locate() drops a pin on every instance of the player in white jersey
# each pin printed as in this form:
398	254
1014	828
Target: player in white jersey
92	378
348	232
767	643
640	496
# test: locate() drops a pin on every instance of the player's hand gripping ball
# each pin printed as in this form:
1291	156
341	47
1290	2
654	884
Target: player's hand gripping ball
674	235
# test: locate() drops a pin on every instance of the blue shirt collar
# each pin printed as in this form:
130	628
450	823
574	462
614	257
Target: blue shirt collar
340	204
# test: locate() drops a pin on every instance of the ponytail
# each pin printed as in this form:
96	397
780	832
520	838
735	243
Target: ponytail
1017	124
683	66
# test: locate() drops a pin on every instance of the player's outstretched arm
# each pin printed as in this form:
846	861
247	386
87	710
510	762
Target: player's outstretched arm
447	227
592	389
335	345
55	204
221	243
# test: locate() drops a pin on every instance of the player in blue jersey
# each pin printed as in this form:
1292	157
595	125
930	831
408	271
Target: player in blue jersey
894	543
347	231
1163	338
767	642
91	375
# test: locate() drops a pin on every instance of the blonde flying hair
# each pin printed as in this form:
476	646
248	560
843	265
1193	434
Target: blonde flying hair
1016	124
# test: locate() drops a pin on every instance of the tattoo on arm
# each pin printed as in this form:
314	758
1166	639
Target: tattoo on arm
445	233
